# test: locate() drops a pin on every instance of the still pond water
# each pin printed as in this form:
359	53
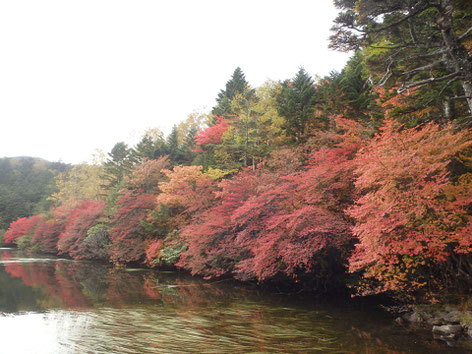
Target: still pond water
52	306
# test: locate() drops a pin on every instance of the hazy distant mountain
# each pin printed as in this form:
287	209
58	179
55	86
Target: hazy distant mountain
25	183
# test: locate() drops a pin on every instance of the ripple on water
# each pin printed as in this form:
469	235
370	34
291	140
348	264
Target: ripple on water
33	260
151	330
84	307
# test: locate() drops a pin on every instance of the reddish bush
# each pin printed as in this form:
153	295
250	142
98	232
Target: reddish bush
81	219
412	214
47	234
213	134
272	221
21	227
128	234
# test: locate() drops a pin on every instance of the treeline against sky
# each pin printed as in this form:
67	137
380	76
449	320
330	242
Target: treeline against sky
362	178
25	184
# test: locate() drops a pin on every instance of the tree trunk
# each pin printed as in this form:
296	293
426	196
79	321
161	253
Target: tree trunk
458	55
467	86
447	109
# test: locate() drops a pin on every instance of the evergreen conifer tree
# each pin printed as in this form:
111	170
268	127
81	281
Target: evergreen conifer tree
297	103
173	147
236	85
118	165
188	145
151	146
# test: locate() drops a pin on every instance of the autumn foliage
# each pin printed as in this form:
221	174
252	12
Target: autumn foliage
281	219
21	227
348	185
47	234
212	134
413	212
186	192
128	235
73	241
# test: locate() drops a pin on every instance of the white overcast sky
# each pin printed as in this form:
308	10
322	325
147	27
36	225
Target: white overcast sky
80	75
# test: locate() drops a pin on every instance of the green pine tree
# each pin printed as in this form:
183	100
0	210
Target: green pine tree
119	164
188	145
297	103
236	85
173	147
151	146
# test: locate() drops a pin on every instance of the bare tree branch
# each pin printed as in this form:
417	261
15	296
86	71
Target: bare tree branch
447	85
427	81
460	97
465	34
454	79
386	76
411	29
422	68
425	55
407	45
399	22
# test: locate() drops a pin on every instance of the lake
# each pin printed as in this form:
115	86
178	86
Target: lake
50	305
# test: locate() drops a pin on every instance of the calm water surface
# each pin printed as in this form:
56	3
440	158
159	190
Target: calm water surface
50	305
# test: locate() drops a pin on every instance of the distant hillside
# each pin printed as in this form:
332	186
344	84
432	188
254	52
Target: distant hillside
25	183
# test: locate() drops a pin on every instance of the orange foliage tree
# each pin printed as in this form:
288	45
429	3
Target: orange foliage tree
413	215
187	191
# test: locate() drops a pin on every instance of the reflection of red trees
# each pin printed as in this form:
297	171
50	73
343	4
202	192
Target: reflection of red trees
80	285
14	269
150	289
124	288
69	285
55	279
38	274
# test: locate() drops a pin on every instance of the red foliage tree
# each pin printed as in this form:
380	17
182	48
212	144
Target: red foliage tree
210	235
187	191
212	135
47	234
277	220
128	233
412	215
147	175
21	227
73	240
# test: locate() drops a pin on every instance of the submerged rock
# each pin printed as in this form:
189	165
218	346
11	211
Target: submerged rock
448	330
399	320
447	324
469	332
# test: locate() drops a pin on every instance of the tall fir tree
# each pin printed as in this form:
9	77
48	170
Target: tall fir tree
236	85
118	165
173	146
296	103
151	146
188	146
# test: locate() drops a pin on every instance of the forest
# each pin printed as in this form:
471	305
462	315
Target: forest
25	184
360	181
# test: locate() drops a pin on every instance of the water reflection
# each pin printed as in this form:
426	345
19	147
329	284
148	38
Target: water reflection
62	306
